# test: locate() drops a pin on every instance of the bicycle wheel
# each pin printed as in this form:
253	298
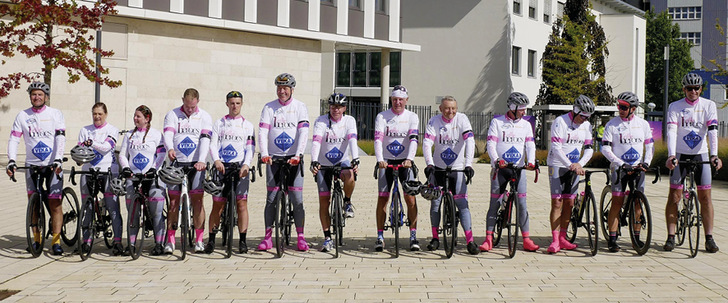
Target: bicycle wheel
694	224
683	220
88	219
499	225
640	217
396	220
576	220
185	235
605	203
71	212
590	219
449	227
512	225
337	220
135	228
288	228
280	222
230	224
35	225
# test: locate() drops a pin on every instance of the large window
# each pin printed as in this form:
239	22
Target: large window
354	4
517	7
516	60
364	69
693	38
380	6
531	12
685	13
531	63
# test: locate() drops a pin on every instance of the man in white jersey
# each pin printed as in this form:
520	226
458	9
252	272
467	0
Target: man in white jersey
569	134
452	137
283	133
334	137
395	142
44	131
688	122
187	131
627	142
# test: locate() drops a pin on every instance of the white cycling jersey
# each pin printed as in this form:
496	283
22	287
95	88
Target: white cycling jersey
395	136
567	140
142	150
44	133
189	136
510	140
332	139
104	141
233	140
453	141
627	141
283	125
688	123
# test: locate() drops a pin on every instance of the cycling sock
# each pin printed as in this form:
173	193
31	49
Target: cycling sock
613	237
636	234
468	236
347	200
434	232
555	235
242	236
56	239
613	234
170	236
327	234
380	234
212	237
413	234
708	237
198	234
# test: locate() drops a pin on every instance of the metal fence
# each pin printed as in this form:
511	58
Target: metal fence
722	129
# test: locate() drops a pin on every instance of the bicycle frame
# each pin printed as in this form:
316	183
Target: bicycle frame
396	215
336	207
690	215
97	223
283	208
449	212
509	207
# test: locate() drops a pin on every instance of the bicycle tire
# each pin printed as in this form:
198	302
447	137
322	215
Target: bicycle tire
449	227
605	203
396	220
499	225
185	224
683	220
135	219
694	224
107	228
35	210
288	228
336	220
644	220
71	213
280	222
591	222
576	220
512	224
230	224
87	227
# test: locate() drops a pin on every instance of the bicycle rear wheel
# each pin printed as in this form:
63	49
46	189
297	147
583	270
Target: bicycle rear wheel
396	220
229	224
512	224
605	203
694	224
71	212
683	220
280	222
575	221
590	218
640	218
35	223
135	228
337	220
449	227
186	233
88	219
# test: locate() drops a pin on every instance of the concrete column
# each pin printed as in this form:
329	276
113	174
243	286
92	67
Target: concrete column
314	15
384	97
251	11
284	13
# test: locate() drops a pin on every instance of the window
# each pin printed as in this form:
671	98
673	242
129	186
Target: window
531	63
354	4
685	13
546	18
361	69
532	12
515	60
343	69
517	7
547	11
560	9
692	37
329	2
380	6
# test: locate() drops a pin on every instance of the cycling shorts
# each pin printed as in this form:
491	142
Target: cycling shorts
703	177
563	183
195	180
386	176
325	178
53	183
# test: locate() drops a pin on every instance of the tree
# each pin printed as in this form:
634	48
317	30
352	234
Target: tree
660	32
27	28
574	59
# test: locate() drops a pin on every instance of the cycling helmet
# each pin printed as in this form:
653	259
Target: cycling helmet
45	88
338	99
629	98
171	175
286	79
213	187
117	186
692	79
82	154
583	104
516	100
234	94
430	191
411	187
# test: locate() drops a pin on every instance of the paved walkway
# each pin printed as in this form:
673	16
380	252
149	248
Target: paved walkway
364	275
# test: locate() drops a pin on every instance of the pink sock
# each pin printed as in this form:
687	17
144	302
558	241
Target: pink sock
268	233
525	234
468	236
299	231
198	234
170	236
434	232
555	235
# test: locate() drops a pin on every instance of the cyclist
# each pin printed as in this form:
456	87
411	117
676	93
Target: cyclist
509	137
44	131
452	136
283	134
142	151
688	122
233	141
101	137
569	133
334	134
395	142
627	142
187	131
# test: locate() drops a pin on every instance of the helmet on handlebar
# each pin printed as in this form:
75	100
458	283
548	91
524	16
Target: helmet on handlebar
411	187
82	154
430	191
213	187
117	186
171	175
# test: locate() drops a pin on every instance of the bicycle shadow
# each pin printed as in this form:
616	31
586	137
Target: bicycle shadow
14	247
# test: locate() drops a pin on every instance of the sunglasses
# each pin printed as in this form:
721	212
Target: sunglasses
399	87
693	88
623	107
583	116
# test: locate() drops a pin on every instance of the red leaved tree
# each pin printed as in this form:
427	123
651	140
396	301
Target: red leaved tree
27	28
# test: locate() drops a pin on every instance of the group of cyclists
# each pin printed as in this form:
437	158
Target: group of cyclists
190	136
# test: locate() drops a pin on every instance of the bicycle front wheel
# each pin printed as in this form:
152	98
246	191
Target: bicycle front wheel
512	224
449	227
230	224
683	219
185	221
88	219
575	221
135	228
694	224
590	218
396	219
337	220
280	222
35	225
605	203
71	212
640	222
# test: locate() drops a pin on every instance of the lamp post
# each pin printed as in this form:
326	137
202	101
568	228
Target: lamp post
667	83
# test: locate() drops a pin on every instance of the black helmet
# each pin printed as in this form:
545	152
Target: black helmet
583	104
630	98
234	94
692	79
286	79
411	187
338	99
517	99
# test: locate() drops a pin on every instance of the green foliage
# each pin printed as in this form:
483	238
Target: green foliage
660	32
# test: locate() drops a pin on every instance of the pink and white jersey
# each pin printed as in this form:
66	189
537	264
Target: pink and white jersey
189	136
332	139
395	136
233	140
283	126
453	141
627	141
104	141
141	153
567	140
44	133
688	123
510	140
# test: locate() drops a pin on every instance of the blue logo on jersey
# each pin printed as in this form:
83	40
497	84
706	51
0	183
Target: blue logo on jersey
511	155
97	158
283	141
448	156
334	155
140	161
574	155
395	148
41	151
631	156
692	139
187	147
228	153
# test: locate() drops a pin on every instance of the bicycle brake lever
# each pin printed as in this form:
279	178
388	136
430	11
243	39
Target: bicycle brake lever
72	175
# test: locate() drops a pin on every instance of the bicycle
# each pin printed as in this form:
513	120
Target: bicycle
689	219
184	218
229	217
396	214
283	219
450	215
635	211
94	210
507	216
336	207
584	213
139	217
35	214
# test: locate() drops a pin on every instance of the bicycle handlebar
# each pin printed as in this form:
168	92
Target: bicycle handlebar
36	168
392	166
638	169
280	161
94	172
536	168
